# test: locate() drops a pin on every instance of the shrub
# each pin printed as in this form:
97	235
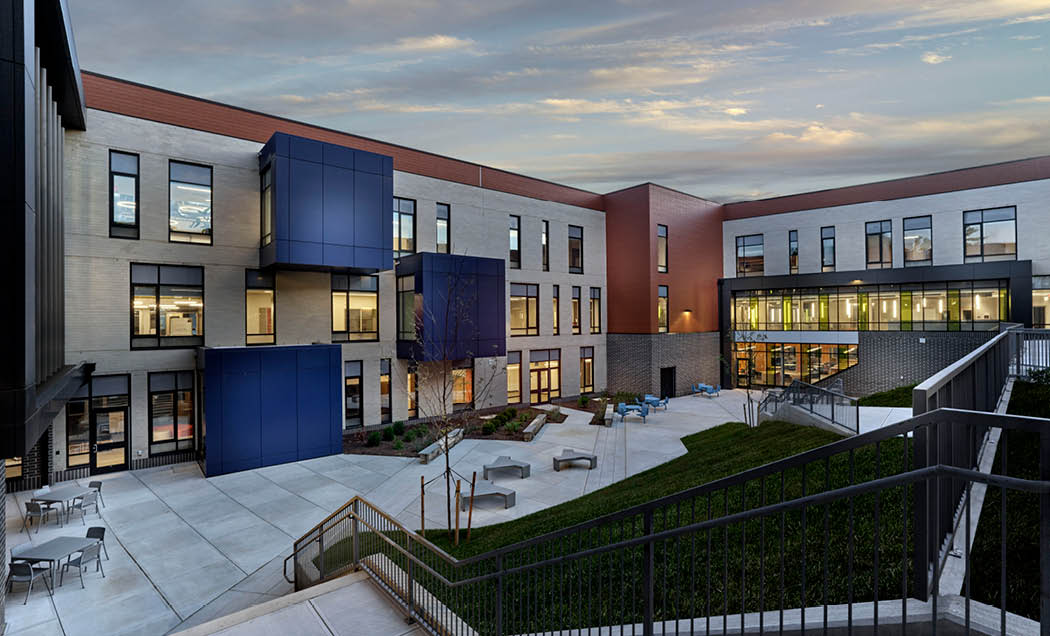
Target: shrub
421	431
488	428
499	420
399	428
625	397
1039	376
388	434
510	413
512	427
398	445
524	418
554	412
599	415
410	435
582	401
373	439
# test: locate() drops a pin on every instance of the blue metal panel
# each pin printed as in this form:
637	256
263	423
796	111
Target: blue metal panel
241	411
339	206
306	149
279	440
306	201
368	162
338	156
368	222
313	405
213	414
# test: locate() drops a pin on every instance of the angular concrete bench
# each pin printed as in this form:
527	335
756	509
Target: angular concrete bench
488	489
569	455
434	451
504	461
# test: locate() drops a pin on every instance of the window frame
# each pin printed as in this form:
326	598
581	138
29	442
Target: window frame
532	318
150	392
273	299
663	292
556	308
398	293
545	241
586	353
336	335
572	269
386	402
884	231
438	207
521	382
198	340
132	229
400	253
266	195
86	400
468	366
742	271
576	310
514	234
824	266
211	212
361	393
983	257
595	328
412	392
904	237
793	251
662	249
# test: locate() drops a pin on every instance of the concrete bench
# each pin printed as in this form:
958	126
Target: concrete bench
433	451
534	427
505	462
488	489
569	455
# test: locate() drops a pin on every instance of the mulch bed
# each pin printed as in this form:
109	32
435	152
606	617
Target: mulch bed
473	424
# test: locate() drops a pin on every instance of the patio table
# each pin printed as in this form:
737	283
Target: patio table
53	551
633	407
63	496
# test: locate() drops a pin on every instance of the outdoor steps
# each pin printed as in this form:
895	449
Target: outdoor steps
390	576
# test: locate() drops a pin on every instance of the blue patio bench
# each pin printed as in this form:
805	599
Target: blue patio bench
656	402
642	410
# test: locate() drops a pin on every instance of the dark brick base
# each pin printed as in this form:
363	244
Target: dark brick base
890	359
635	360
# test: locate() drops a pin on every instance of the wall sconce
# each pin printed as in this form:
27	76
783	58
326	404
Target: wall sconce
688	311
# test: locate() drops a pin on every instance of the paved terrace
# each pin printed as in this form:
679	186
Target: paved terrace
185	549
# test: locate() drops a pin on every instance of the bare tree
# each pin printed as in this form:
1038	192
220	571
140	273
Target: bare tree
749	357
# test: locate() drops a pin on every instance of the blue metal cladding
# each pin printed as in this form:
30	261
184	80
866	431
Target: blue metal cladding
462	308
271	405
332	206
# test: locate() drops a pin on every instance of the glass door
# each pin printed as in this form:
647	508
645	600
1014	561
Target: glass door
108	437
540	385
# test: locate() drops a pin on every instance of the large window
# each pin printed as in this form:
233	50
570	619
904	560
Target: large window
990	235
404	227
385	413
544	375
575	310
524	309
444	228
661	248
944	306
827	249
878	241
575	249
266	206
259	327
918	241
780	364
412	389
545	242
406	307
353	394
171	411
586	369
749	255
355	308
661	308
554	307
463	386
513	377
167	306
78	434
189	202
123	195
793	252
515	242
596	309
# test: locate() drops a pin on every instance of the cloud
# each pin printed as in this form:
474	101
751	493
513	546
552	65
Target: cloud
1030	18
427	44
735	110
1023	38
1036	99
934	58
819	134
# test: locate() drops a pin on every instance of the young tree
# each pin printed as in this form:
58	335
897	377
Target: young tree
749	359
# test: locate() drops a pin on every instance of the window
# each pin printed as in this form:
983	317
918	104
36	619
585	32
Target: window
258	307
1041	302
412	389
355	308
384	391
575	249
544	240
575	310
780	364
878	237
554	307
918	241
12	467
266	206
586	369
793	252
404	227
513	377
189	203
661	249
78	434
990	235
463	386
123	195
167	306
524	302
353	394
749	255
596	309
406	307
661	308
170	411
515	242
544	375
444	239
827	249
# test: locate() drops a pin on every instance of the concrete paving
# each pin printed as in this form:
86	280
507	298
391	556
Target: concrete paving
873	417
185	549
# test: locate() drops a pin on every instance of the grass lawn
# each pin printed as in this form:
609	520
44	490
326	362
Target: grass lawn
1022	528
900	396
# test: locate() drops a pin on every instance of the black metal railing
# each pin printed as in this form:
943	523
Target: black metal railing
823	538
835	407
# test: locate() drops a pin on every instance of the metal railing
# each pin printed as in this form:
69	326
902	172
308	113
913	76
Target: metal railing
832	406
826	537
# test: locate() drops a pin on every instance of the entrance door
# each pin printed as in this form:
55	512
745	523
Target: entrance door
109	439
539	385
667	378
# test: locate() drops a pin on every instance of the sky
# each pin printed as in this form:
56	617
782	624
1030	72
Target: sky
723	100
